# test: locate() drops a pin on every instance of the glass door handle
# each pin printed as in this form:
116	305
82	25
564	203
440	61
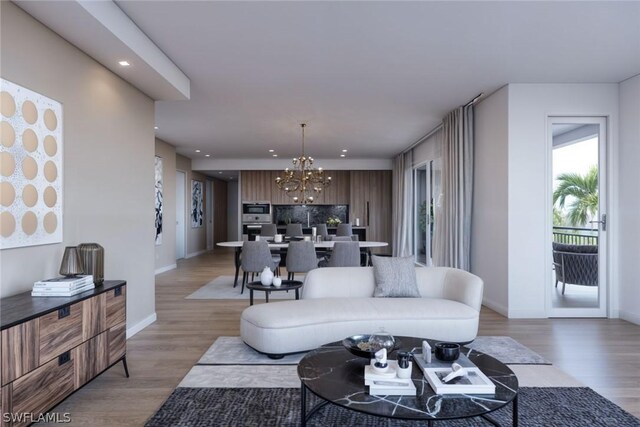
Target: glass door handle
603	221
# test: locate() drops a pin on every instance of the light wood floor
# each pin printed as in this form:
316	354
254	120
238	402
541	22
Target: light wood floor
603	354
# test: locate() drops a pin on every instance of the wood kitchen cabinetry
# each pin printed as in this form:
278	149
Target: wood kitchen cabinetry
370	200
50	347
255	185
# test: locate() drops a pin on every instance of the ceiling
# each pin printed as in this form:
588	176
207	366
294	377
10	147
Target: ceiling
369	77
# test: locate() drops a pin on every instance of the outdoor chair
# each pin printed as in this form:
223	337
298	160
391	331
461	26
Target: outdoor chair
575	264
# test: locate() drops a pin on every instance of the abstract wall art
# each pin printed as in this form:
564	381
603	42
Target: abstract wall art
197	213
30	167
159	200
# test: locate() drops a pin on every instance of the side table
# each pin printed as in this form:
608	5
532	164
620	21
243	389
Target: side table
287	285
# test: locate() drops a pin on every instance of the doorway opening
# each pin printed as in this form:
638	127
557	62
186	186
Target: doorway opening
578	210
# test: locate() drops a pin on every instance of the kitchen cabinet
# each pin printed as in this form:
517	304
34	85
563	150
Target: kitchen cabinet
370	200
255	185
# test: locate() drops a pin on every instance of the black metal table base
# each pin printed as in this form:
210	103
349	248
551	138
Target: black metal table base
306	415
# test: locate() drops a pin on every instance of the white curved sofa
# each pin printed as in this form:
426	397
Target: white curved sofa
338	302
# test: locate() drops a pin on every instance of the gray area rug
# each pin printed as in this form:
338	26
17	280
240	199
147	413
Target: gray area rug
202	407
232	351
222	288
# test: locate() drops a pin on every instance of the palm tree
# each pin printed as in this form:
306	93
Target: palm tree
581	193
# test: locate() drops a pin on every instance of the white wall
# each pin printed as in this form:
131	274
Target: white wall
489	235
529	200
108	163
629	197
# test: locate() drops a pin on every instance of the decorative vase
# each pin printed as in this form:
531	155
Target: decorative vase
92	255
266	277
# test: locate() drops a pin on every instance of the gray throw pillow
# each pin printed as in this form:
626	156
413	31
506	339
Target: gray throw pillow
395	277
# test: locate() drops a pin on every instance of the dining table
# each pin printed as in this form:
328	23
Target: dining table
325	244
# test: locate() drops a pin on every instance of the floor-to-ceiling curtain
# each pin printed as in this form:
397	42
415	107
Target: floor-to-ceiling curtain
453	218
402	202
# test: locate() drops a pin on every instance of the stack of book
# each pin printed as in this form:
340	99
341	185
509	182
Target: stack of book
388	384
62	286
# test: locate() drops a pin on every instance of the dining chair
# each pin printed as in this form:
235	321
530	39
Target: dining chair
255	257
268	230
293	230
301	258
344	254
342	239
344	230
321	230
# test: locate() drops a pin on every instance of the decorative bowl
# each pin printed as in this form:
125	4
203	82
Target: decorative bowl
447	351
367	345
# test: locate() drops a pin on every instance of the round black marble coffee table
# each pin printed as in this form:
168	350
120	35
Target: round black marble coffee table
336	376
287	285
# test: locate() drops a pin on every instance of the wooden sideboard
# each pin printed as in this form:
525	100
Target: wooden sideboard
52	346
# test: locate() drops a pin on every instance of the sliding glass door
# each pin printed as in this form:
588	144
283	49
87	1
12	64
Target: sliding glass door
426	185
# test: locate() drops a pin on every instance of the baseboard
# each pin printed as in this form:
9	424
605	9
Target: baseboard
630	317
141	325
166	268
527	314
499	308
192	254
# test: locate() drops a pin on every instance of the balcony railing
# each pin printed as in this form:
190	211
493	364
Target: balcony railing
575	236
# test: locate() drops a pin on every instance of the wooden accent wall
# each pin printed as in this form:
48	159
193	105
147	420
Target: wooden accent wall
255	185
219	211
370	200
338	192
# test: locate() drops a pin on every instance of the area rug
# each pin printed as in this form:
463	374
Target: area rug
233	385
224	365
222	288
553	406
233	351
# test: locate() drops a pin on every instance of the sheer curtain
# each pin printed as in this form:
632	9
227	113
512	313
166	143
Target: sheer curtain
453	213
401	210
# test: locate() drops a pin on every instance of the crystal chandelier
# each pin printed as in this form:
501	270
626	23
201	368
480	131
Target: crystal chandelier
303	180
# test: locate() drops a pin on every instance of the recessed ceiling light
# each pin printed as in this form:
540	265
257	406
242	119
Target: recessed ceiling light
207	155
197	151
155	127
220	173
124	63
275	155
344	151
343	155
271	151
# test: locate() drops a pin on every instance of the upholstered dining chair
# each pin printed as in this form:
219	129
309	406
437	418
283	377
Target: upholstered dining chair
321	230
344	230
341	238
293	230
268	230
255	257
301	258
344	254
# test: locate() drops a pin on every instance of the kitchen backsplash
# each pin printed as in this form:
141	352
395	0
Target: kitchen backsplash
318	214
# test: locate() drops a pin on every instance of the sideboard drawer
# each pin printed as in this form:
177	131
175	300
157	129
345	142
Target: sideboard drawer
116	306
20	350
117	342
93	316
41	389
90	359
60	330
